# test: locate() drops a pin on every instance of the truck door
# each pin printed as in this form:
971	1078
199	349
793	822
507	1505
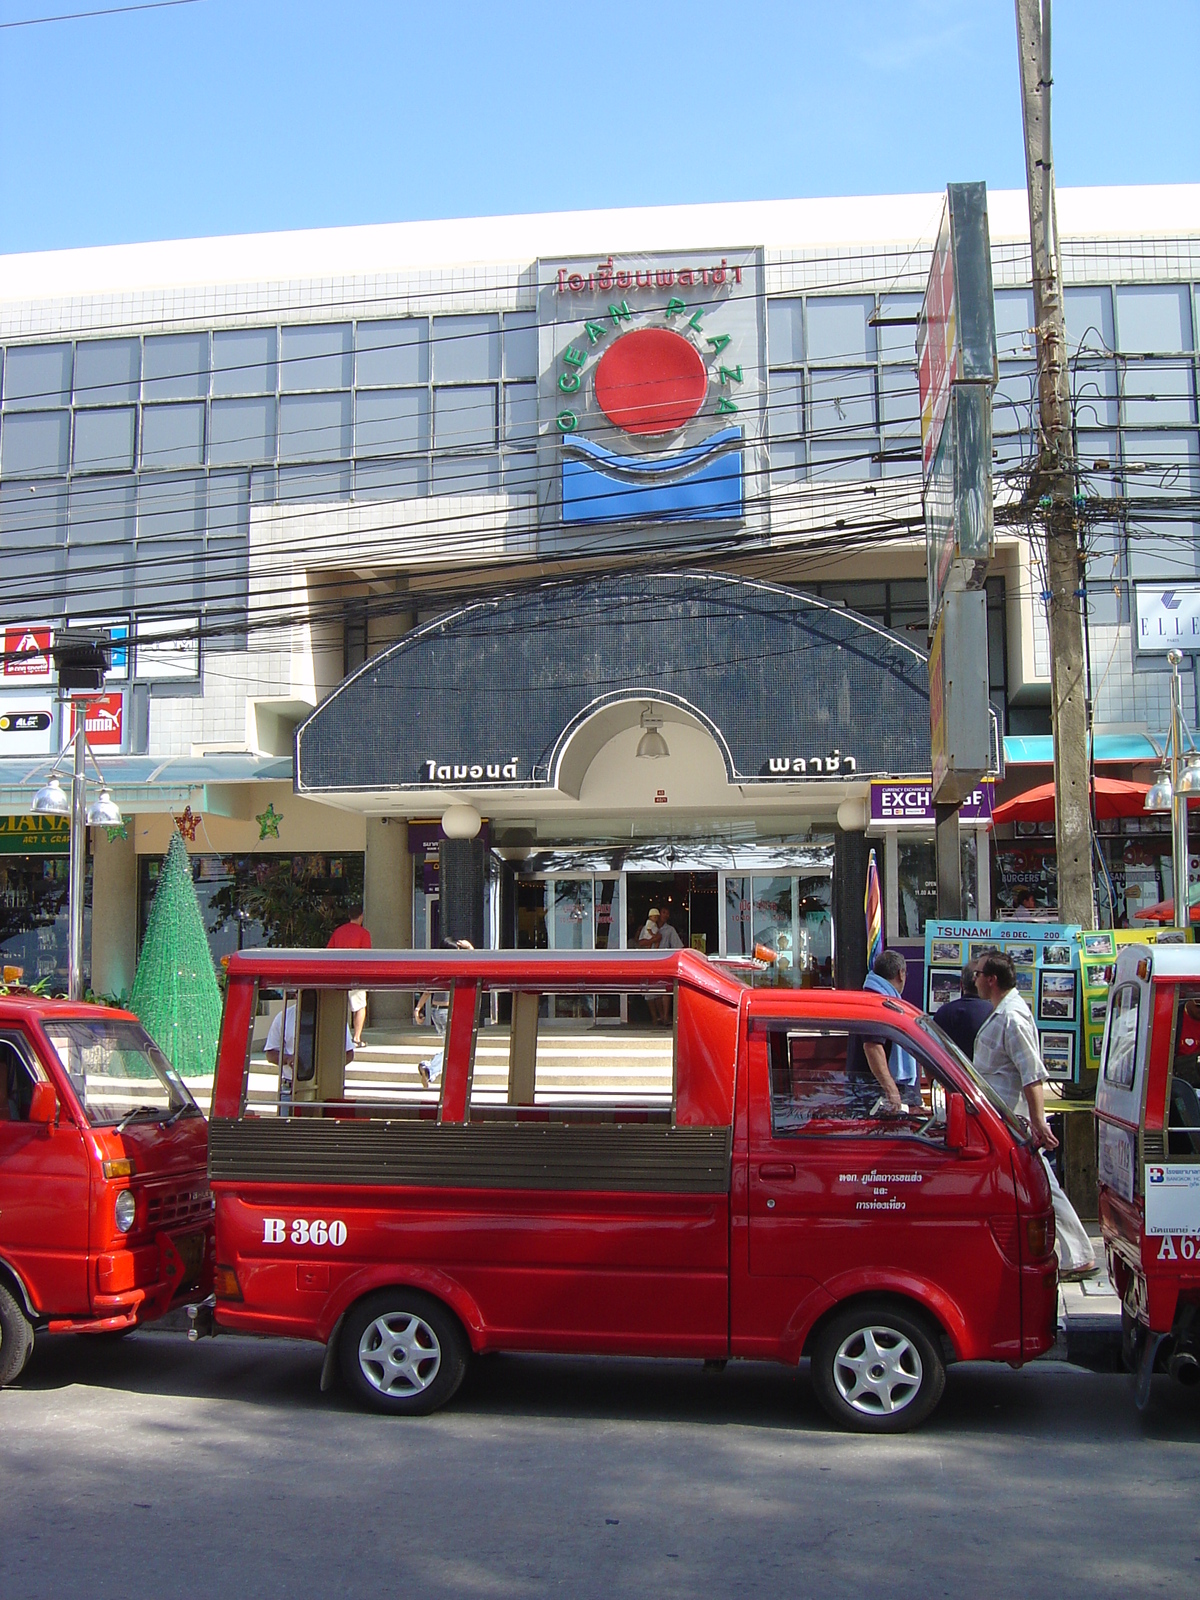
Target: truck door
842	1199
44	1189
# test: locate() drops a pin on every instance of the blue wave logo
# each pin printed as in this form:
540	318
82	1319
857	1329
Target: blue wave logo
702	483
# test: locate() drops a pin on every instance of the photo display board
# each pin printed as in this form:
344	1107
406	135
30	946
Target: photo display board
1046	958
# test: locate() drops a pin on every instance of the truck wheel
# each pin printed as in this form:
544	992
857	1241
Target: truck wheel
877	1368
16	1338
403	1352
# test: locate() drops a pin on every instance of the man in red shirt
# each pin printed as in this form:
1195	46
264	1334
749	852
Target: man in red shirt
353	936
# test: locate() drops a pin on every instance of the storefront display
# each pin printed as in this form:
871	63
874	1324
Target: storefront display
34	933
1046	958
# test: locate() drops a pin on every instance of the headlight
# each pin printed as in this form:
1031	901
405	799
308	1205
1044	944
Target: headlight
125	1209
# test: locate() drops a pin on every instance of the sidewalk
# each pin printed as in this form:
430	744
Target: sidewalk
1089	1319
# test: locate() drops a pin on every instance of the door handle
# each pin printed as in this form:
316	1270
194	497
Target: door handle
777	1169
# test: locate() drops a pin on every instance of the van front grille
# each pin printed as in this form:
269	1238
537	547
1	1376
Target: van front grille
183	1206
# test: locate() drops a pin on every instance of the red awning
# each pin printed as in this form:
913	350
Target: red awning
1115	797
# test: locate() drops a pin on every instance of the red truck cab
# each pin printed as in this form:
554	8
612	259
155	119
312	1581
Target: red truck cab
580	1180
105	1208
1148	1157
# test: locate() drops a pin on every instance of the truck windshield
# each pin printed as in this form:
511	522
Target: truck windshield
1016	1126
117	1071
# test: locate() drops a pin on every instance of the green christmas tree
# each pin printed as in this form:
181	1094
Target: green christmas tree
175	993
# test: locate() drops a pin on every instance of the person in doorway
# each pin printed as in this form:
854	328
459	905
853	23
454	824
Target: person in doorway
963	1018
1026	902
1009	1060
435	1004
884	1077
353	936
668	939
648	933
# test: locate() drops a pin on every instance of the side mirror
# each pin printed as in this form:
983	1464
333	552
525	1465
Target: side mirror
956	1122
43	1104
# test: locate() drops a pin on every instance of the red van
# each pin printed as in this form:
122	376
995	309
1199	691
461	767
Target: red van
105	1208
580	1179
1148	1157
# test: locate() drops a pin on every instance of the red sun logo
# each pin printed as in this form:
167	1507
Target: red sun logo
651	380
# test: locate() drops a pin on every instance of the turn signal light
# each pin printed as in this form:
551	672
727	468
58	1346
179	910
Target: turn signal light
119	1169
1039	1236
225	1284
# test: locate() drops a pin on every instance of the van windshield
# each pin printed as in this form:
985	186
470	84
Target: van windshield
117	1071
1016	1125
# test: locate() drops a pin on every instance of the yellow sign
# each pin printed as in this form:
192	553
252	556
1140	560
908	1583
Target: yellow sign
34	836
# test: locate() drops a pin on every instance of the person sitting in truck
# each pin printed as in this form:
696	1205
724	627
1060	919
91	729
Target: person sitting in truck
883	1077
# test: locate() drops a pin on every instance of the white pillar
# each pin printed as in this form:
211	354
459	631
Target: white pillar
387	905
114	912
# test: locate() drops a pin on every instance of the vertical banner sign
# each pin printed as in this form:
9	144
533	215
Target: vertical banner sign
957	372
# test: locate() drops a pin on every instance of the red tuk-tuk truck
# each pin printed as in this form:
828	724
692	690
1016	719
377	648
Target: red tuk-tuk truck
729	1184
105	1208
1148	1157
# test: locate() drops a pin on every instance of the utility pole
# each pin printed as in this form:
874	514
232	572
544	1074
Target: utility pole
1053	485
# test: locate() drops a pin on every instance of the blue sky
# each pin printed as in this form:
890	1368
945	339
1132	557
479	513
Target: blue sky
229	116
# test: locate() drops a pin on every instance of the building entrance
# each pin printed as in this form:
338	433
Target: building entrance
690	899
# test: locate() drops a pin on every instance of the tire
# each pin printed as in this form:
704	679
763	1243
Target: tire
877	1368
16	1338
403	1352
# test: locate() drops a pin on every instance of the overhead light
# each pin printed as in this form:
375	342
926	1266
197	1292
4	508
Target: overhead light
652	745
104	812
1160	793
1189	778
51	801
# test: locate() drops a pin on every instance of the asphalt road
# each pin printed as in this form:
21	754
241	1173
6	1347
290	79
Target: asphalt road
155	1468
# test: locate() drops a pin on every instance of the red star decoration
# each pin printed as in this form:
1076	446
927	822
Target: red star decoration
187	824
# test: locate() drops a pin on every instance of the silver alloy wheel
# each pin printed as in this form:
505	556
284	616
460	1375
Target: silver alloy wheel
877	1370
399	1354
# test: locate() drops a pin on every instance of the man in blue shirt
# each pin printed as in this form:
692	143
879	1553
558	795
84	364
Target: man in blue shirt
880	1070
963	1018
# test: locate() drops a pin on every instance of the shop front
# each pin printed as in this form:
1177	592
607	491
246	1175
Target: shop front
34	932
684	742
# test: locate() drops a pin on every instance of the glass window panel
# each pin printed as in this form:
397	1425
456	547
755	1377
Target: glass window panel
466	349
99	578
465	474
842	458
1094	387
34	442
1014	397
393	353
389	480
172	436
1014	323
572	913
520	344
1099	463
788	461
169	574
868	599
520	412
898	344
1010	453
916	880
1165	551
241	430
901	456
392	422
1158	392
171	505
327	482
1089	319
106	370
1153	320
1171	463
785	332
103	510
899	401
32	516
244	361
520	471
316	358
104	440
841	400
786	405
175	366
839	328
772	913
463	418
37	375
228	504
739	921
314	427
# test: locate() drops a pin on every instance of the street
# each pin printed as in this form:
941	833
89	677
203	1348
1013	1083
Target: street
148	1467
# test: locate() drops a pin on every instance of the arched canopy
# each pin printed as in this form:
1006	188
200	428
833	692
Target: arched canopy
501	693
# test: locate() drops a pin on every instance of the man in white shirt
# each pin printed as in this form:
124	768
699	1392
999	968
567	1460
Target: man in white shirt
283	1032
668	939
1008	1058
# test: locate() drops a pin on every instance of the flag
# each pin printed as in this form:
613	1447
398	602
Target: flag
872	907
